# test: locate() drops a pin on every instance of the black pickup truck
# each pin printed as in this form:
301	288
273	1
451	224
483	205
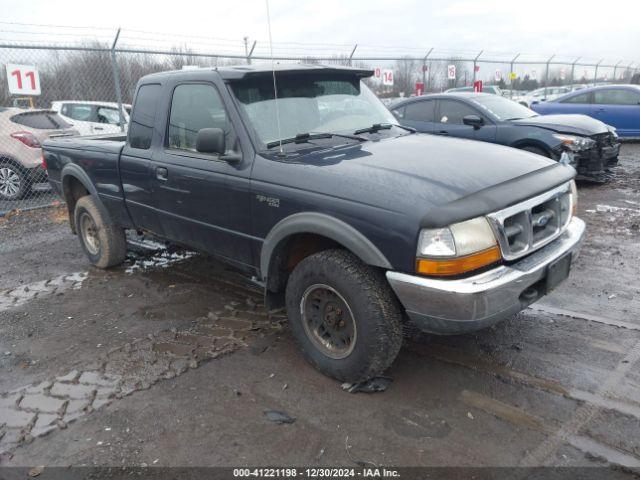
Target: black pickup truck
355	224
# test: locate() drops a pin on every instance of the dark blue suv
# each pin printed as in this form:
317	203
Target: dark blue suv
591	146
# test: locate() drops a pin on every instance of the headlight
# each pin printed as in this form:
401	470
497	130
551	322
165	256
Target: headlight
575	143
457	249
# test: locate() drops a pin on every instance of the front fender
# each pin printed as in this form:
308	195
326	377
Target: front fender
327	226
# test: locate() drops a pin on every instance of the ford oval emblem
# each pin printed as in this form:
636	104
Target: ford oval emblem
542	220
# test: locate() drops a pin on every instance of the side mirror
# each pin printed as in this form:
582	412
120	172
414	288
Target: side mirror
474	120
210	140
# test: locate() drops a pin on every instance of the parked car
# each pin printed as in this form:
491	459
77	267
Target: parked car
493	89
592	147
541	95
91	118
21	135
347	220
615	105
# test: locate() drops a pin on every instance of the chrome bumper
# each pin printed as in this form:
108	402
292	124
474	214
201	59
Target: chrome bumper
448	307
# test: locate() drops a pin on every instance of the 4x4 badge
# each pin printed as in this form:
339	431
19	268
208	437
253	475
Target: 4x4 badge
270	201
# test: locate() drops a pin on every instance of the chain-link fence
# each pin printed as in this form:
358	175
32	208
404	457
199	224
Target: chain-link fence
87	89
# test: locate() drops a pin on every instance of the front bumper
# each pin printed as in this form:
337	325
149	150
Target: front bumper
595	161
449	307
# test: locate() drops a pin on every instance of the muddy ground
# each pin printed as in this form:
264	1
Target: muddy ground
171	361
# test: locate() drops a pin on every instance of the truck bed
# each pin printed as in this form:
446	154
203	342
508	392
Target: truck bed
96	157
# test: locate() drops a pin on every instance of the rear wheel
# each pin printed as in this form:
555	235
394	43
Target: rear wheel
343	316
103	242
13	181
536	150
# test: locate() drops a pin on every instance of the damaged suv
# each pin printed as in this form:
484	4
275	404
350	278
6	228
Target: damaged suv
355	224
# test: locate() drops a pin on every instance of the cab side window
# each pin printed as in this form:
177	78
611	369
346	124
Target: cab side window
452	112
194	107
144	115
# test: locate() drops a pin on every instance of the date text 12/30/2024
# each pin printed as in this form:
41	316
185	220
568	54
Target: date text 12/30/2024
315	473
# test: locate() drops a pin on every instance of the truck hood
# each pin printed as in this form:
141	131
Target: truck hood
576	124
414	173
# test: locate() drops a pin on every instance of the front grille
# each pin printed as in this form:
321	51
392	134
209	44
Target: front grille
527	226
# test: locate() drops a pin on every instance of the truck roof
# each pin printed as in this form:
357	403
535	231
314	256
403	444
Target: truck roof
240	72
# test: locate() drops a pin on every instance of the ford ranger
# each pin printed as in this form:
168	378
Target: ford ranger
355	224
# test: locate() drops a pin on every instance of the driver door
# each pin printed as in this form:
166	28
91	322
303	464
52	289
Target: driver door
203	201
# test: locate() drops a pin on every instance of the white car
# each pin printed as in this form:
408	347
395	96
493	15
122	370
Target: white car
91	118
541	95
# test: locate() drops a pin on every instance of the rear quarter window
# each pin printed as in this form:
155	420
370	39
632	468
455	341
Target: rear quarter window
40	120
143	116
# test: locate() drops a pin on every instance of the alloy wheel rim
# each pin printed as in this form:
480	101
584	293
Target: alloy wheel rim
9	182
328	321
89	233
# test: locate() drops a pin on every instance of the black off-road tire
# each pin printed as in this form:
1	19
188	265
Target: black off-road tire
536	150
375	309
111	243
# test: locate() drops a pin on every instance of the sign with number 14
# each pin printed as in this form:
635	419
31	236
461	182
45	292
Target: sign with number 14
23	79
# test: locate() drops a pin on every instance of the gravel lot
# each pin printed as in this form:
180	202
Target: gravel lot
171	361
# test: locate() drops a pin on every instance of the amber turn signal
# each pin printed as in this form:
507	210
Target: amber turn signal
457	266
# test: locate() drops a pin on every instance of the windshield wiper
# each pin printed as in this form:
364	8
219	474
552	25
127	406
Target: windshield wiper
305	137
376	127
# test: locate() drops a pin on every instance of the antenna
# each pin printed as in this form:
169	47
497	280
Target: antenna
273	70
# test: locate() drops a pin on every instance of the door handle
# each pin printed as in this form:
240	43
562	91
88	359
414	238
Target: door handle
98	128
162	173
444	133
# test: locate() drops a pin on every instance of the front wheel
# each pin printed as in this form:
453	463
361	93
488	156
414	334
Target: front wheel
343	315
103	242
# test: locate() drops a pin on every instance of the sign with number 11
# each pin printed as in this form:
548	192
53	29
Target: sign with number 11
23	79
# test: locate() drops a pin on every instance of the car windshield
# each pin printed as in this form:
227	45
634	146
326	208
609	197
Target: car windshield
503	108
337	104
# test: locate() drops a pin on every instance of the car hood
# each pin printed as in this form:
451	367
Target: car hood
412	173
577	124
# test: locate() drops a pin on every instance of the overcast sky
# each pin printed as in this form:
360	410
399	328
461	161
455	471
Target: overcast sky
590	29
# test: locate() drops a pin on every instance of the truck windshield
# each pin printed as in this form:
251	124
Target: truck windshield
306	104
